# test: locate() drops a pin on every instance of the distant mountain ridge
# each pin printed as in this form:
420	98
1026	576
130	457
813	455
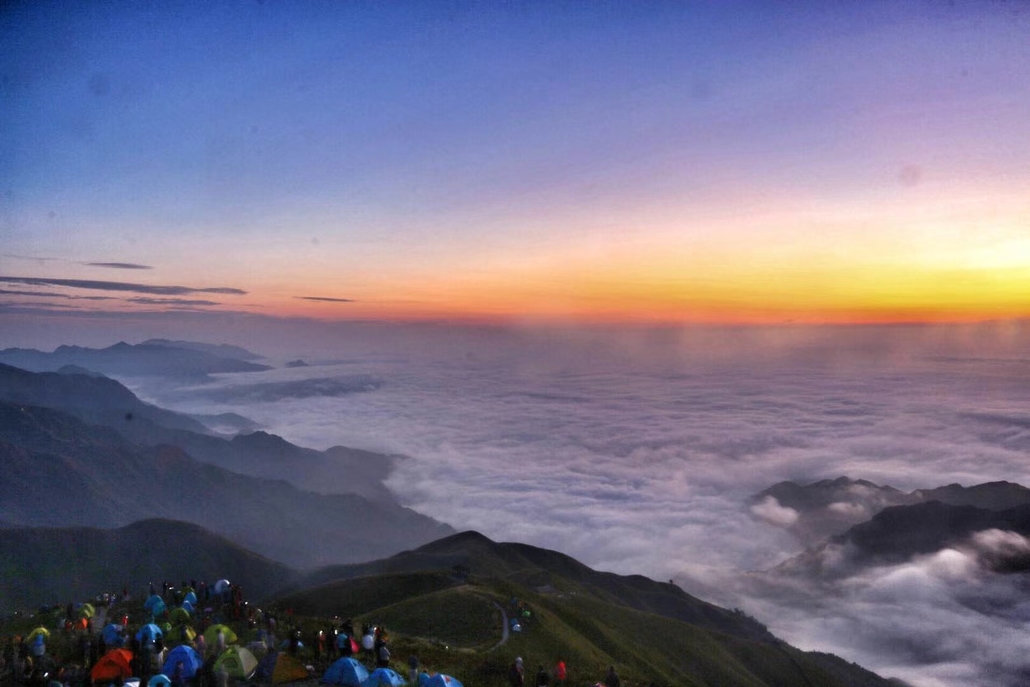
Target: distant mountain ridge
830	507
901	533
94	398
60	471
104	401
195	361
220	350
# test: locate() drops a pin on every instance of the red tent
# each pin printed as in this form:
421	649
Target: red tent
112	665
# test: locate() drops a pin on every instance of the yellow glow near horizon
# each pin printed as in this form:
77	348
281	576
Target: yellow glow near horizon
937	255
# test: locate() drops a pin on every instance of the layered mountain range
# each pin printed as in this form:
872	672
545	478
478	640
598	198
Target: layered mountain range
83	450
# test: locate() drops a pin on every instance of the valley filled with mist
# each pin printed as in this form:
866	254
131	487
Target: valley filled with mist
654	452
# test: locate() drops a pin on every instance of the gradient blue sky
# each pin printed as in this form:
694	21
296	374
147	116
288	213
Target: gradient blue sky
737	161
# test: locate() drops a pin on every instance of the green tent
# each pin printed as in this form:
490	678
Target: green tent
211	634
238	662
178	616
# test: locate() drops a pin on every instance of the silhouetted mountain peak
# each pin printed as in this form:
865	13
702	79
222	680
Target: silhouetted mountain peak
462	541
263	440
152	360
221	350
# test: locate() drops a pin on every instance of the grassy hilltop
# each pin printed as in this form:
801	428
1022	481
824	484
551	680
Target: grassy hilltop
651	631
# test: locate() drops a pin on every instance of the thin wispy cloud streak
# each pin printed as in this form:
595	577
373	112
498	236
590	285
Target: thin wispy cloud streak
45	294
171	301
34	258
119	265
324	299
120	286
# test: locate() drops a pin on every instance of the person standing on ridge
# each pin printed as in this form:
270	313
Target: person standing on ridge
543	679
560	674
413	663
516	674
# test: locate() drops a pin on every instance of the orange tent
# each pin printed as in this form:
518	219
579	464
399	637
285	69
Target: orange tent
112	665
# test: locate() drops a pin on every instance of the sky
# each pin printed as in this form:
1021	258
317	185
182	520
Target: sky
673	162
350	182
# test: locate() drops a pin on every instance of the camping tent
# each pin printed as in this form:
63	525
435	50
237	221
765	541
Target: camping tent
211	634
159	680
345	671
238	662
149	632
178	616
112	665
184	633
155	604
191	661
440	680
280	667
113	634
38	632
384	677
190	598
86	611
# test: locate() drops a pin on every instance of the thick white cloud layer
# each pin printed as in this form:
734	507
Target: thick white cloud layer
637	455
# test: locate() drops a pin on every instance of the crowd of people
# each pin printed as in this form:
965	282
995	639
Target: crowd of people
82	636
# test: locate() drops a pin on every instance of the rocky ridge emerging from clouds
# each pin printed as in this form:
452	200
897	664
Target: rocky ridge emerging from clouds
826	508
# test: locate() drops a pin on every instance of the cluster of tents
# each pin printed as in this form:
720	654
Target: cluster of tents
348	672
235	661
239	663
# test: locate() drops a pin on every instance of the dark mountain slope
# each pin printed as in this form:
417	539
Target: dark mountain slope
536	568
653	631
62	472
898	534
52	565
830	507
94	398
104	401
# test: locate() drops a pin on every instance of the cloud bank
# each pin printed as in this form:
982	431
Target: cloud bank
639	455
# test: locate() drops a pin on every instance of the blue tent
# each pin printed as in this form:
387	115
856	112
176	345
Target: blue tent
191	597
384	676
191	661
155	604
149	632
113	635
440	680
159	680
345	671
188	607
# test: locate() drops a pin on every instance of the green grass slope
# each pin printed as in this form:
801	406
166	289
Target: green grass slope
652	632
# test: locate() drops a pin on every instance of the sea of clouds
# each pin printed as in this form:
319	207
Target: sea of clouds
637	452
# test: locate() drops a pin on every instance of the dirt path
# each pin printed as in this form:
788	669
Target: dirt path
504	626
